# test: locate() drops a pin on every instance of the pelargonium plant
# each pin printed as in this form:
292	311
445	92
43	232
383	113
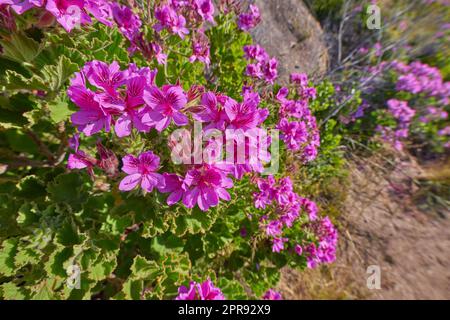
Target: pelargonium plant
145	154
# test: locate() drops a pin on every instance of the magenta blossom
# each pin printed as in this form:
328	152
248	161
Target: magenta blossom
274	228
165	104
245	115
169	19
69	13
200	291
205	9
140	170
249	20
272	295
92	117
173	184
20	6
104	76
278	244
298	249
79	159
132	115
128	22
200	49
211	111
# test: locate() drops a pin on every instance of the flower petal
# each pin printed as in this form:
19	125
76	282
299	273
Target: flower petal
130	182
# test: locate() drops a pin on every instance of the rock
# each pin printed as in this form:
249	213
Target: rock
289	32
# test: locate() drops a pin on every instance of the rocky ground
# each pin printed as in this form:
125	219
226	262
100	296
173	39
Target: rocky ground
381	226
289	32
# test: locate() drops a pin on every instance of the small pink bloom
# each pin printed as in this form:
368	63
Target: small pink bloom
140	170
165	105
272	295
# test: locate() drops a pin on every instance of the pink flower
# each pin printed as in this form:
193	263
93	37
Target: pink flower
140	170
190	293
211	111
205	185
205	9
128	22
197	291
325	251
161	57
299	78
245	115
132	116
400	110
101	10
200	49
92	117
272	295
255	52
165	104
274	228
278	244
249	20
173	184
20	6
79	159
169	19
298	249
104	76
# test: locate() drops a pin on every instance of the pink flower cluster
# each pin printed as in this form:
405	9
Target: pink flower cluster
200	291
288	205
419	78
249	20
108	161
272	295
325	251
74	13
127	99
403	115
301	134
434	114
180	16
69	13
262	67
118	99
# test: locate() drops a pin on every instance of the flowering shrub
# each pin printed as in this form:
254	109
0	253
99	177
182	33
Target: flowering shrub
406	103
106	190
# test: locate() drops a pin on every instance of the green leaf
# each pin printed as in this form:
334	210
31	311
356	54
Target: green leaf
67	188
67	235
12	292
167	243
144	269
55	263
16	81
27	256
19	47
133	289
102	269
56	75
59	111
